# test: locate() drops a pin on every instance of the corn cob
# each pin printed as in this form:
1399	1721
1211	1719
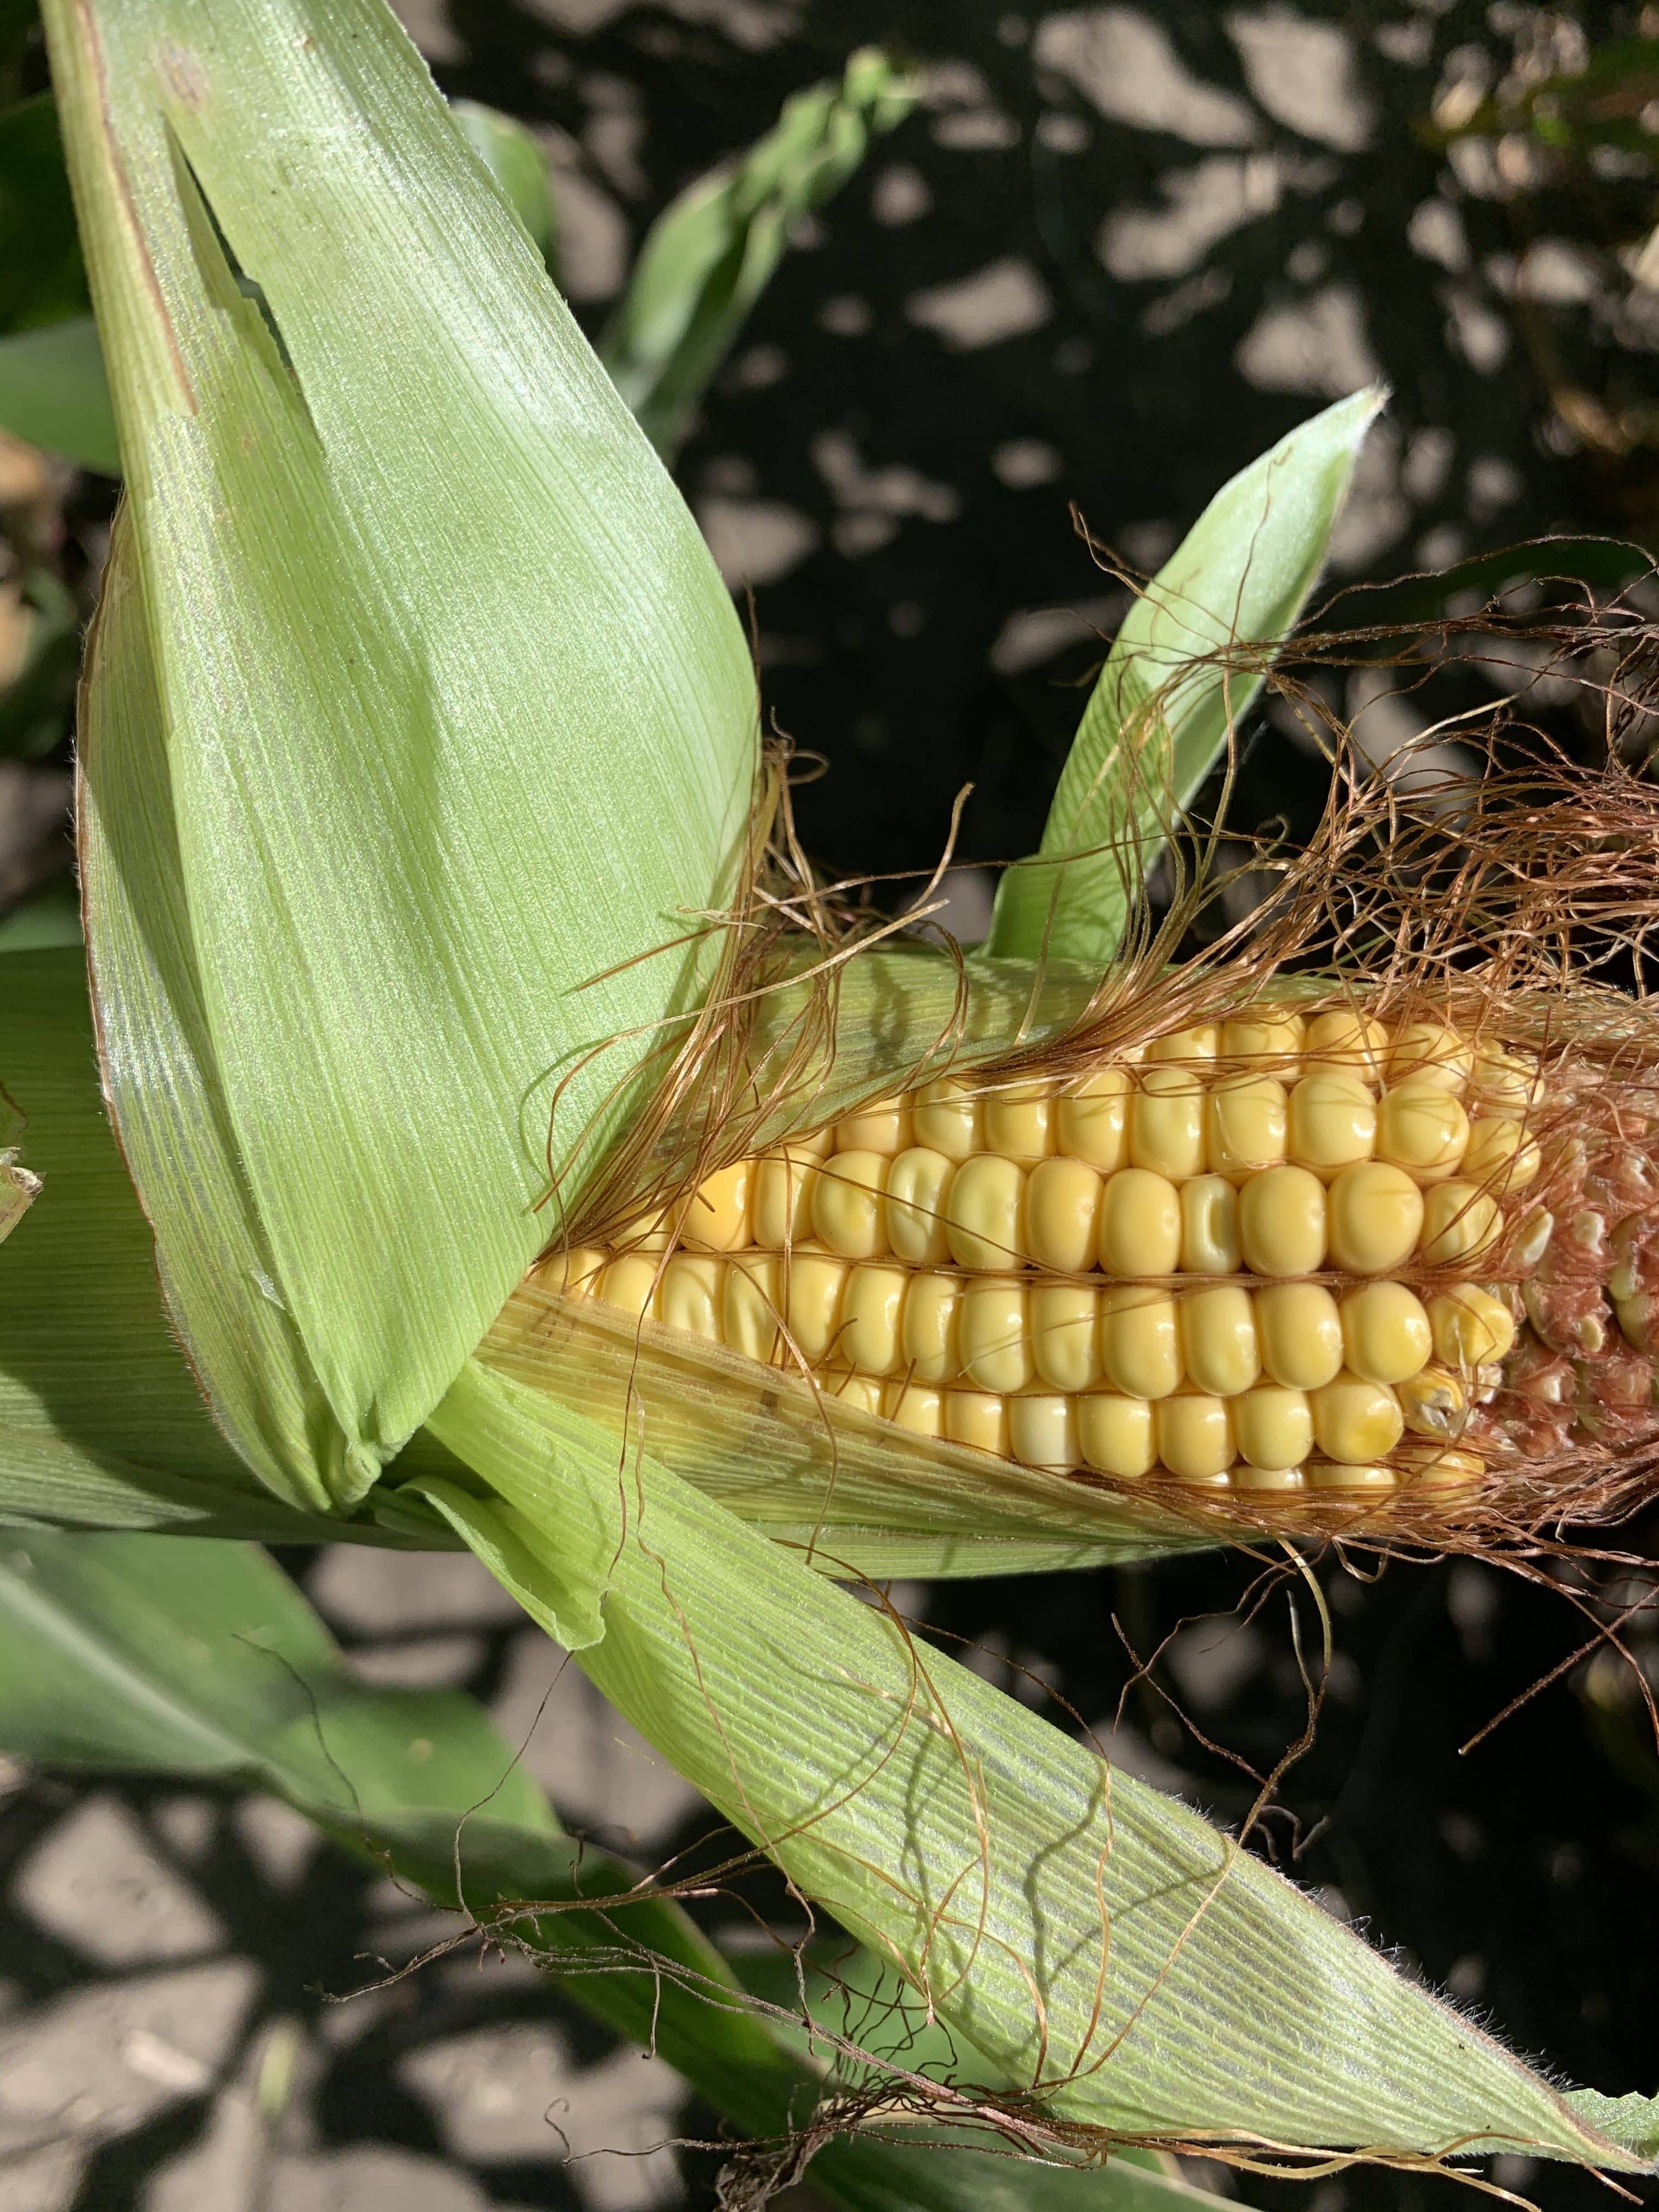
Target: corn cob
1300	1249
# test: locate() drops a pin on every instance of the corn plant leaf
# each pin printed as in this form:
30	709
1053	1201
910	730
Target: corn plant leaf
41	277
54	393
519	166
1093	1939
708	256
471	722
203	1661
1185	666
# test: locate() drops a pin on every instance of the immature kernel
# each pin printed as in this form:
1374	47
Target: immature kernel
1065	1334
753	1302
1139	1223
1140	1342
692	1294
782	1212
1273	1427
1375	1218
872	1316
1504	1082
1429	1052
1247	1120
1166	1122
1385	1332
1343	1039
848	1205
1092	1120
928	1332
1062	1215
813	1288
1219	1340
1019	1121
1471	1327
1332	1122
1043	1432
1194	1436
1501	1156
995	1336
1281	1222
1423	1128
946	1118
915	1407
629	1283
918	1183
1300	1331
1460	1222
1355	1420
1209	1226
979	1418
882	1126
984	1213
1115	1434
1434	1403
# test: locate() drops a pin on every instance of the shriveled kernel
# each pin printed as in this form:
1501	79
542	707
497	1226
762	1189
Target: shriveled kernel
1300	1332
782	1212
1140	1341
753	1304
1341	1475
1065	1334
985	1212
862	1392
1422	1129
1281	1221
918	1182
716	1217
1273	1034
1434	1403
1219	1347
915	1407
1062	1215
1471	1328
1139	1223
1430	1052
1534	1238
994	1335
1244	1477
1092	1120
692	1294
1501	1156
1115	1434
928	1332
1166	1122
1043	1432
1019	1121
871	1318
1332	1122
1209	1226
848	1211
1375	1218
812	1285
1345	1039
1198	1043
574	1272
1504	1082
946	1118
629	1283
1194	1436
1272	1426
979	1418
1247	1123
882	1126
1385	1332
1355	1420
1461	1221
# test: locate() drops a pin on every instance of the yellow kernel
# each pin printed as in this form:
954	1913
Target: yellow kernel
847	1208
1431	1467
716	1217
918	1183
1209	1226
1501	1156
1272	1426
1020	1122
812	1285
1092	1120
1065	1334
1332	1122
1460	1222
1375	1218
1139	1223
1197	1043
1140	1342
932	1310
1043	1432
871	1311
946	1118
1347	1040
573	1271
1166	1122
882	1126
753	1304
1281	1221
1431	1053
1322	1474
1268	1478
1115	1434
912	1406
1355	1420
1218	1339
629	1283
979	1418
1504	1082
994	1335
691	1295
1385	1332
985	1212
1263	1033
1471	1327
782	1212
1423	1128
1062	1215
651	1233
1300	1332
1434	1403
861	1391
1246	1121
1194	1436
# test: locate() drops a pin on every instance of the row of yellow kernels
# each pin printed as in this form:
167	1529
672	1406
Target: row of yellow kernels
990	1212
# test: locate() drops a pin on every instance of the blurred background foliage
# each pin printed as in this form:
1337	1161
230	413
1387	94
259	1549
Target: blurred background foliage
1110	255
